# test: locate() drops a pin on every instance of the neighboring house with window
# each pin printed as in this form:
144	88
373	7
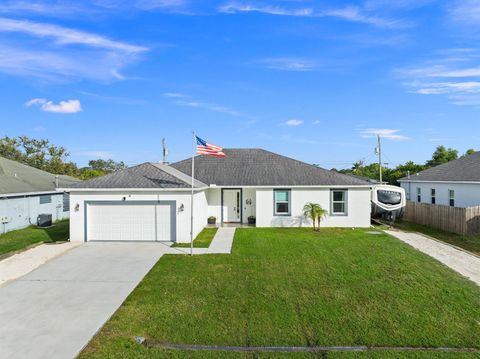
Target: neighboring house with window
151	201
26	192
455	183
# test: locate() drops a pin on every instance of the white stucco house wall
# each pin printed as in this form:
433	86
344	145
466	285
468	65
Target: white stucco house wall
455	183
26	192
152	202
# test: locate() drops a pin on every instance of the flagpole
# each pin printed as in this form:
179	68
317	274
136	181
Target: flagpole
191	197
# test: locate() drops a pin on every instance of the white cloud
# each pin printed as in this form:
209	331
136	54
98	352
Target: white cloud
186	101
465	12
96	154
316	122
68	106
57	65
350	13
35	101
233	8
454	73
387	133
438	88
294	122
288	64
357	14
91	7
174	95
389	5
66	36
59	53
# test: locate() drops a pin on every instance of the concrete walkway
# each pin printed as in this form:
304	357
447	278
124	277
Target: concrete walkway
221	244
460	261
22	263
54	311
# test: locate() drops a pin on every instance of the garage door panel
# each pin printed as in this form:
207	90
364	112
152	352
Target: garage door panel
129	222
163	223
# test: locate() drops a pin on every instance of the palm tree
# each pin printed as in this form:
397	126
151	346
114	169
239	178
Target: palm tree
321	213
314	212
310	212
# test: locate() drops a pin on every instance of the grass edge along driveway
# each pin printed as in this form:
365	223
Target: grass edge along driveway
469	243
24	238
295	287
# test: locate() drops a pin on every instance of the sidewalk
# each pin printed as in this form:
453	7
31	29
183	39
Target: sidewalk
460	261
221	244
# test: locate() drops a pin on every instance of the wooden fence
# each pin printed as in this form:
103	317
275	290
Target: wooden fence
451	219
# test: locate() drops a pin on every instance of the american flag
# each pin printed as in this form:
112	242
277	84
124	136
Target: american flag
204	148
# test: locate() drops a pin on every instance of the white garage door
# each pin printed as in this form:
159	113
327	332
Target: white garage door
129	222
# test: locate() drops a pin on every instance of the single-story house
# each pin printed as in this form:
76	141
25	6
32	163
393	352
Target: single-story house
26	192
151	201
455	183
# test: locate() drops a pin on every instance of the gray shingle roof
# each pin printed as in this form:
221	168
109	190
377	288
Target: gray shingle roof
464	169
16	177
257	167
146	175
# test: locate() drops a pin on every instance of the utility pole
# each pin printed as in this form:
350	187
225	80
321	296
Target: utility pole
379	152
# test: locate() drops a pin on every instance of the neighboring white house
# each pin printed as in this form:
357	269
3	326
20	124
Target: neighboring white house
26	192
151	202
455	183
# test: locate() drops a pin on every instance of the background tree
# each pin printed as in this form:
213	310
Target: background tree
442	155
40	154
392	175
470	151
106	166
88	173
97	168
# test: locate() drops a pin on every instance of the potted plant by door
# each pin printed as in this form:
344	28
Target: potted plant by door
211	220
251	220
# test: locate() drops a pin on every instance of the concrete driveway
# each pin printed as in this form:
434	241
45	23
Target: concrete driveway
55	310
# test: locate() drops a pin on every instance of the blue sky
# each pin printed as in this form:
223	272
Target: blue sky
314	80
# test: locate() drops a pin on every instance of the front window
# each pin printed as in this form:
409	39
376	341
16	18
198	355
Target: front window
433	199
419	194
339	202
451	197
282	202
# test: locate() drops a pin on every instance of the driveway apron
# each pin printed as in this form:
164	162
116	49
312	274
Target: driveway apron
55	310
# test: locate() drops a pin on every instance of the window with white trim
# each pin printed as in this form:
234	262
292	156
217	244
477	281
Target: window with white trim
433	198
451	197
419	194
44	199
338	202
282	202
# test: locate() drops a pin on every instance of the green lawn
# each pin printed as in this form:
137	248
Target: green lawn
203	239
23	238
296	287
469	243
